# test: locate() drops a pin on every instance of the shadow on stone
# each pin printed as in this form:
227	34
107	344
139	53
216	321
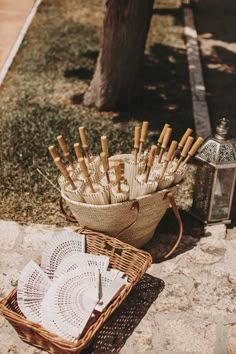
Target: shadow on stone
121	324
166	234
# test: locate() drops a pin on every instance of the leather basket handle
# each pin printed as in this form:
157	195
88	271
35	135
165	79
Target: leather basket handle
180	234
67	216
135	207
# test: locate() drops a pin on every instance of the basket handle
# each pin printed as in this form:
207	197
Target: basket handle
67	216
135	206
178	217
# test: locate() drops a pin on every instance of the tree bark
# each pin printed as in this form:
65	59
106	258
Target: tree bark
126	27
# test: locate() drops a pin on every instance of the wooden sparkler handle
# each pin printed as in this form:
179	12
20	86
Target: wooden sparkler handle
53	151
105	162
137	137
83	137
104	144
160	140
62	144
184	138
78	151
144	131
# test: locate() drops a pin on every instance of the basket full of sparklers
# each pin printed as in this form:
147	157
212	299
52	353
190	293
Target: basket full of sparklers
124	195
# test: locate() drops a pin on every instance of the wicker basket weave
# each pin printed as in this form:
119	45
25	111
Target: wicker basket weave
122	256
133	221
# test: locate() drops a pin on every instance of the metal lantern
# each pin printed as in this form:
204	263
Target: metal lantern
215	177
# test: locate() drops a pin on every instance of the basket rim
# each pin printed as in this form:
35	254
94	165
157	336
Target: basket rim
82	342
127	202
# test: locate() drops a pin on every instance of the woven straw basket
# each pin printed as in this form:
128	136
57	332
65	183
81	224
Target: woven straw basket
122	256
133	222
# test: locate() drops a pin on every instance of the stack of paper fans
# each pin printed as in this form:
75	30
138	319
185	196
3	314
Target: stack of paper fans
70	288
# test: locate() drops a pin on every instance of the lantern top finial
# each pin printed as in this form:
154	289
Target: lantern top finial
222	129
219	150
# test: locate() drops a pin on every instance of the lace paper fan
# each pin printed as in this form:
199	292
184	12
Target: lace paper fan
32	286
62	244
69	303
78	260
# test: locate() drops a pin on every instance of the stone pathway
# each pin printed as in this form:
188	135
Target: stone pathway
194	314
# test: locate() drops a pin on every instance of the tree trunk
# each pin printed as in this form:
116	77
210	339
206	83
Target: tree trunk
126	27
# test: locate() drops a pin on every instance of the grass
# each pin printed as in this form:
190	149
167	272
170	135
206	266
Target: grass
41	97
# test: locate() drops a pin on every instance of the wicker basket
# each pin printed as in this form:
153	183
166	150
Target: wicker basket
122	256
133	222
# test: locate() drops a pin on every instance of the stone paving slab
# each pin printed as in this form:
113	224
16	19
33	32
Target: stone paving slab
194	314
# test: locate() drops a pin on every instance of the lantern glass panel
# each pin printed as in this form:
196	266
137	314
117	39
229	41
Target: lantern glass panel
221	194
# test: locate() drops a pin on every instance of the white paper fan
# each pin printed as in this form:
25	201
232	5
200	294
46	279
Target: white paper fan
97	261
78	260
112	282
62	244
70	301
32	286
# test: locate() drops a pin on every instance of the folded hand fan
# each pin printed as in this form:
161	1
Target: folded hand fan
69	303
32	286
62	244
112	282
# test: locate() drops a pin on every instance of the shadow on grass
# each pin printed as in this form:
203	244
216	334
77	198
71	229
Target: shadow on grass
121	324
81	73
165	96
